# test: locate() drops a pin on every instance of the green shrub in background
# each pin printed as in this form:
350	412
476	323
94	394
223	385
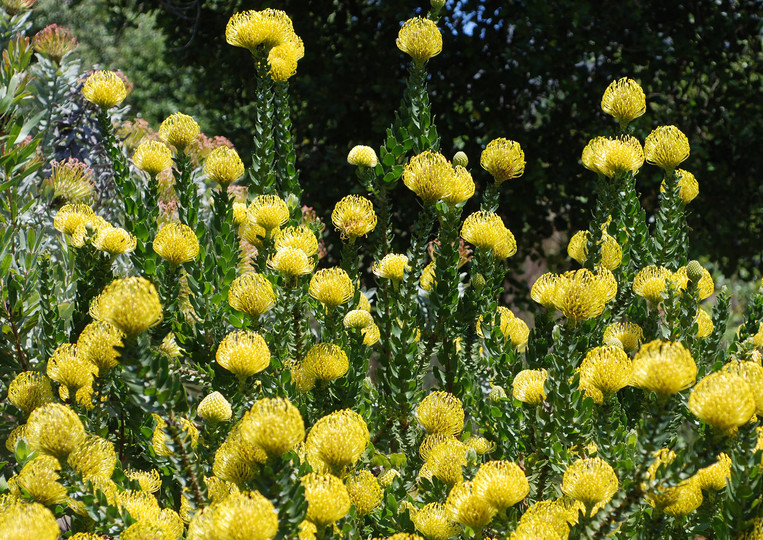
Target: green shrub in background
179	363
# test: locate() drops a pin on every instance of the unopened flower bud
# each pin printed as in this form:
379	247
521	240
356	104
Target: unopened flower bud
478	282
694	271
460	158
214	408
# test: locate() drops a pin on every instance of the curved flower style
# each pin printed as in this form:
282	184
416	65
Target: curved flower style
723	400
420	39
269	28
666	147
96	345
176	243
251	293
503	159
354	216
105	89
613	157
131	304
752	372
179	130
224	166
664	367
71	217
624	100
486	230
95	458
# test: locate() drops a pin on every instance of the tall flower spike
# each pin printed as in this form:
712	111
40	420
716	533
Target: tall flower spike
243	353
723	400
105	89
664	368
528	386
251	293
327	499
152	157
420	39
176	243
503	159
624	100
179	130
430	176
591	481
666	147
326	362
130	304
441	412
223	166
29	390
354	216
274	425
331	287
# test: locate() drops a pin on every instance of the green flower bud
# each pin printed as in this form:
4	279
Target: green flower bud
694	271
478	282
460	158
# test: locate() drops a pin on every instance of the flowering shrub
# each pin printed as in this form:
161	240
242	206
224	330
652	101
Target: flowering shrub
179	363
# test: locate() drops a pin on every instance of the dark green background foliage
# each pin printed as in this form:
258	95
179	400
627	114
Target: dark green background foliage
529	71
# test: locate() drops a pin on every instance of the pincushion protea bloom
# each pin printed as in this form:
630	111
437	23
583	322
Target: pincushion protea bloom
611	252
365	492
326	362
688	186
246	511
624	100
95	458
723	400
502	483
114	240
581	294
54	429
433	522
605	368
291	262
331	287
251	293
613	157
105	89
71	217
152	157
528	386
664	367
224	166
250	29
214	408
299	237
445	462
68	369
393	266
354	216
96	344
362	156
29	390
752	372
543	290
179	130
441	412
283	59
715	477
503	159
430	176
465	506
327	499
70	180
650	282
624	334
462	187
243	353
591	481
268	211
420	39
336	441
486	230
19	521
274	425
666	147
176	243
54	42
131	304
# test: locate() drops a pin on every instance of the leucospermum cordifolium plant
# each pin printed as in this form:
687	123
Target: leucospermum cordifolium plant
179	361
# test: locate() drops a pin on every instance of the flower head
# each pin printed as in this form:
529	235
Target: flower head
624	334
251	293
393	266
364	491
704	323
705	284
528	386
666	147
246	511
433	522
326	362
624	100
723	400
94	458
582	294
664	367
72	217
543	290
362	156
486	230
650	282
752	372
274	425
331	287
268	211
336	441
611	252
243	353
503	159
480	445
114	240
29	390
502	483
591	481
14	7
96	345
354	216
299	237
269	28
358	318
224	166
441	412
283	59
68	369
40	480
465	506
71	180
715	477
688	186
606	369
445	462
214	408
420	39
327	499
176	243
291	262
54	429
430	176
462	187
131	304
179	130
105	89
152	157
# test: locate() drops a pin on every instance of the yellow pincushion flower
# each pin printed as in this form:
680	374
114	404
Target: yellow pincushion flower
430	176
528	386
427	280
666	147
595	154
331	287
611	252
752	372
445	462
441	412
362	156
22	521
715	476
96	345
176	243
420	39
29	390
54	429
131	304
179	130
543	290
393	266
105	89
274	425
430	442
465	506
704	322
624	334
214	408
480	445
68	369
149	481
689	187
71	217
251	293
236	461
705	284
245	515
663	367
291	262
582	294
486	230
283	59
503	159
606	368
114	240
40	480
386	478
354	216
501	483
243	353
364	491
358	318
622	155
223	166
250	29
462	187
624	100
371	335
723	400
268	211
152	157
432	521
591	481
326	362
327	499
650	282
71	180
299	237
336	441
94	458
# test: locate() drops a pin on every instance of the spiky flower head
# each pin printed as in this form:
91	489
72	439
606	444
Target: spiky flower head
664	367
274	425
291	261
54	429
299	237
650	282
715	477
354	216
214	408
71	217
528	386
371	335
621	155
486	230
723	400
605	368
624	100
582	294
96	345
503	159
465	506
501	483
430	176
595	155
705	283
176	243
71	180
331	287
752	372
187	431
152	157
236	461
704	323
68	369
420	39
14	7
441	412
496	394
283	59
250	29
224	166
39	479
624	334
114	240
105	89
358	318
427	280
327	499
393	266
268	211
94	458
22	521
131	304
591	481
543	290
243	353
688	185
480	445
364	491
29	390
362	156
462	187
336	441
445	461
251	293
326	362
179	130
666	147
611	252
247	515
